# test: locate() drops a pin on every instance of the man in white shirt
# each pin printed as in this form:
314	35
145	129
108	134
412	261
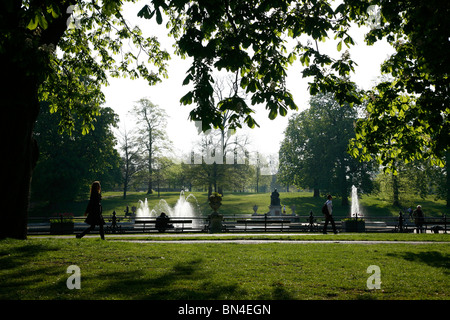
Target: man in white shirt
328	215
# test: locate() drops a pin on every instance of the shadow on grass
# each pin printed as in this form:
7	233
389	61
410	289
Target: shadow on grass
279	292
16	257
432	258
184	281
16	273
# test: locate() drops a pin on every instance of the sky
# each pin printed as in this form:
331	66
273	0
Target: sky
121	94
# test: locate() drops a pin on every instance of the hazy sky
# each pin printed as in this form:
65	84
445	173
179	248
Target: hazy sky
122	93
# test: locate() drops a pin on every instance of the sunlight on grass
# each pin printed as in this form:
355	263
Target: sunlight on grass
36	269
238	204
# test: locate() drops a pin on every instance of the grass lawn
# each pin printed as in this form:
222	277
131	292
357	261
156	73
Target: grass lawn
236	204
37	269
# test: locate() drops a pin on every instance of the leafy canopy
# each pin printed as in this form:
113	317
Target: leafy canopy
408	113
406	118
250	38
84	42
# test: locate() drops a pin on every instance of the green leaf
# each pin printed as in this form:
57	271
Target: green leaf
187	80
33	23
339	46
187	98
146	12
54	11
273	114
158	16
42	21
251	123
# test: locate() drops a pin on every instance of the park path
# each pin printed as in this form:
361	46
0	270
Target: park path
184	238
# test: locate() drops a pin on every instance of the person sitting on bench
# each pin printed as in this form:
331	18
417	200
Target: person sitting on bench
162	222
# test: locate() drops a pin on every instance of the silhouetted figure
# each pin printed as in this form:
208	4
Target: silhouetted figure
419	219
401	219
275	198
162	222
311	221
327	210
94	211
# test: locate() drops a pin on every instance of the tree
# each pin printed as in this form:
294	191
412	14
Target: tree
130	160
67	78
413	181
314	151
264	169
151	135
249	37
69	163
161	167
408	116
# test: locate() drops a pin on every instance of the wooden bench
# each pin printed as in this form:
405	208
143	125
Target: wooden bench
266	222
435	224
170	223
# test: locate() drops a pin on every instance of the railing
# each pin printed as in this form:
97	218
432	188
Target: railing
242	223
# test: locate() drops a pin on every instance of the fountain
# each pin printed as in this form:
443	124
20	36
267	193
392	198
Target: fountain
355	210
356	223
183	209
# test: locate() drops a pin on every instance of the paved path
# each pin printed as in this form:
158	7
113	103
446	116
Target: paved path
262	241
221	238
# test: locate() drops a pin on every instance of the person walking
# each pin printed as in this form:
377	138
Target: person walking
94	211
327	210
419	219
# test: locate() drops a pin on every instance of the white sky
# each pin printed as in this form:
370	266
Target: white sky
122	93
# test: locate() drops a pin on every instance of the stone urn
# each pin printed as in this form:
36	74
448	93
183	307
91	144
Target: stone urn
354	225
61	228
215	219
215	201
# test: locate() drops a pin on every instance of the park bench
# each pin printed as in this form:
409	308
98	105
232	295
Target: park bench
436	223
267	222
150	224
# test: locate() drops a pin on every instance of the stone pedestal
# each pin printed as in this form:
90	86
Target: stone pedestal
274	210
354	225
215	222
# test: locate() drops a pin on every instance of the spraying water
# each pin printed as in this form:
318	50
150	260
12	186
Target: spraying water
355	210
185	207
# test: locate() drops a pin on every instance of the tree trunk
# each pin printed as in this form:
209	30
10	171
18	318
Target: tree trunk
24	65
316	193
395	188
19	113
344	192
447	167
150	175
125	185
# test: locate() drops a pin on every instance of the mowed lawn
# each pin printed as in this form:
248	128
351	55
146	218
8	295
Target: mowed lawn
236	204
37	269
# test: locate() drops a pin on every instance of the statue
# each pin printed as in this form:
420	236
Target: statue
275	198
275	206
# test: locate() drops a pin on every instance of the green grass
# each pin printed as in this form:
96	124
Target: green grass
238	204
36	269
398	237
